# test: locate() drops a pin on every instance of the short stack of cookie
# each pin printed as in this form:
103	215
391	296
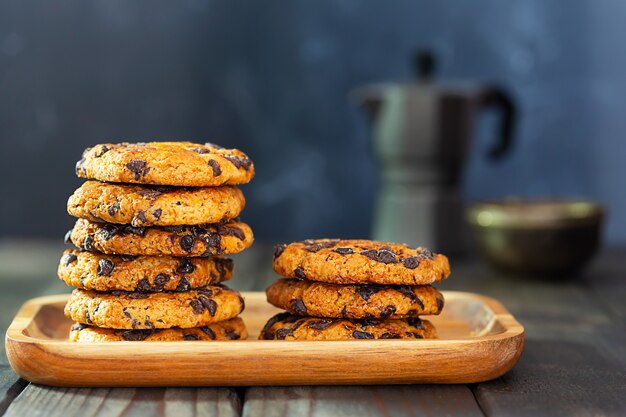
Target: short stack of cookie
354	289
154	220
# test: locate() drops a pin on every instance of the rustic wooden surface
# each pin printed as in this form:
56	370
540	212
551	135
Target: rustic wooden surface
574	363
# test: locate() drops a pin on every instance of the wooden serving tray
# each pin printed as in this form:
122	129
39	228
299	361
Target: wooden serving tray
478	340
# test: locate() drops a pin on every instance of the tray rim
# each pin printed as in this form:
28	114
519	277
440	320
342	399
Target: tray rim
15	339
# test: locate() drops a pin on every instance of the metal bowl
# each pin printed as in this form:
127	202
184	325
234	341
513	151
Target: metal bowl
546	237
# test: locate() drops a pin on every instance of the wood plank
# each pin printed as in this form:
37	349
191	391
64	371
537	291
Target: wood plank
557	378
403	400
10	387
607	278
38	400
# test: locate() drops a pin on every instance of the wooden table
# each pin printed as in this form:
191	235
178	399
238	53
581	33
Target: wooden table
574	363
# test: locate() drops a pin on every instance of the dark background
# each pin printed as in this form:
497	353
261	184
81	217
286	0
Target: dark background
272	78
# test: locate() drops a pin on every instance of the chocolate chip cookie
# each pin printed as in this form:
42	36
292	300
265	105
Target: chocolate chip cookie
159	310
360	261
201	240
309	298
154	205
233	329
100	272
287	326
166	163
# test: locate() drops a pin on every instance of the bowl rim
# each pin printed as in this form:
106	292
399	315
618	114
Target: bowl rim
526	213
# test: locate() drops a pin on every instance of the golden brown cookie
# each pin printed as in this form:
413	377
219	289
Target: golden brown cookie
233	329
320	299
100	272
201	240
159	310
360	261
154	205
166	163
287	326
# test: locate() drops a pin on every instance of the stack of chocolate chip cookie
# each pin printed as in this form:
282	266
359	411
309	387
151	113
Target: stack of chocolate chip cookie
354	289
154	220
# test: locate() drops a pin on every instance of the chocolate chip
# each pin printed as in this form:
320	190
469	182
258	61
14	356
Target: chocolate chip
139	231
157	213
187	243
160	280
366	291
88	243
173	229
267	333
281	334
322	324
148	323
205	291
415	322
383	255
279	249
190	336
426	254
202	151
108	231
87	317
370	322
408	292
362	335
126	313
387	257
79	168
68	237
316	246
137	295
299	273
105	267
185	266
210	304
224	266
344	251
77	327
217	170
208	332
196	306
136	335
233	335
150	193
440	303
103	149
213	242
411	262
141	216
297	305
390	336
183	285
144	285
70	258
230	231
387	312
343	311
239	162
113	209
138	167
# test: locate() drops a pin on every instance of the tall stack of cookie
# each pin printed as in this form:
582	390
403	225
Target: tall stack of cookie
154	220
354	289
